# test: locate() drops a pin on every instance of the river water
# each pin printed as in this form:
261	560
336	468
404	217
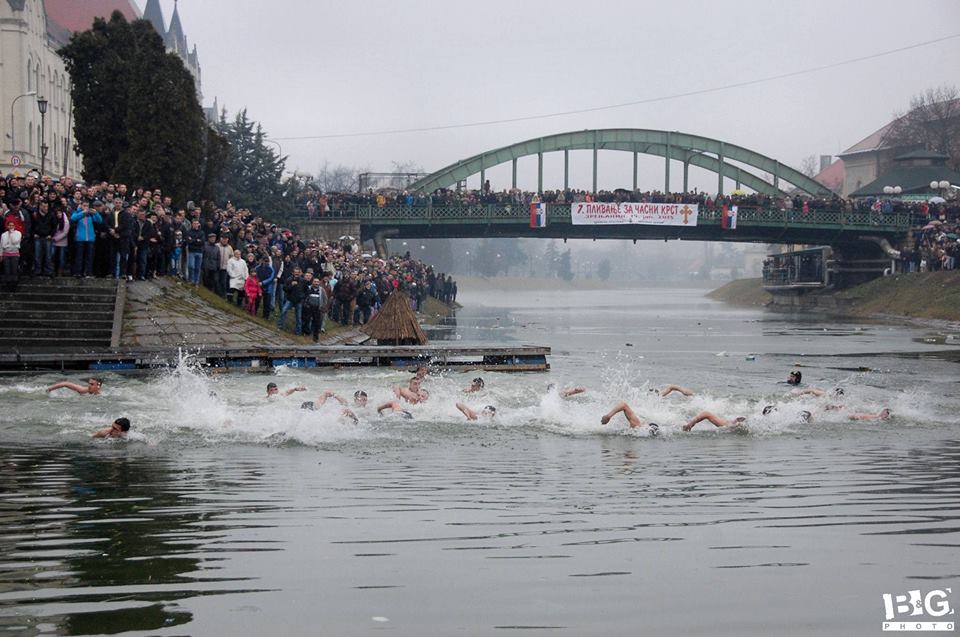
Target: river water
227	514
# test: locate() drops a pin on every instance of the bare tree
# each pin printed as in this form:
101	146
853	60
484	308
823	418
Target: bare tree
809	166
402	172
337	178
933	122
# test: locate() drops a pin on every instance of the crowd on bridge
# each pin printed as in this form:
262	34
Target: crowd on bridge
316	204
59	227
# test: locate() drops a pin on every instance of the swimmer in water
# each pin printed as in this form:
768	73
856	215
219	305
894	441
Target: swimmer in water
795	377
360	398
567	392
395	407
118	429
92	387
475	385
272	390
715	419
488	411
413	393
838	391
421	372
883	414
631	416
669	389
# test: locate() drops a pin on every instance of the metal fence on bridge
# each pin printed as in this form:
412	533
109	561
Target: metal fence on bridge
398	214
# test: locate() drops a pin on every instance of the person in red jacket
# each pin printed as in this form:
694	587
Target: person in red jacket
252	291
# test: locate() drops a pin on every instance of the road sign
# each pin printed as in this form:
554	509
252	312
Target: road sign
15	161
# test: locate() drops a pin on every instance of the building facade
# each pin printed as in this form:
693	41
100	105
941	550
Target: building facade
31	33
30	69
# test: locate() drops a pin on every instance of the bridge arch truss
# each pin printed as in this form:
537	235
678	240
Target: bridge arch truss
692	150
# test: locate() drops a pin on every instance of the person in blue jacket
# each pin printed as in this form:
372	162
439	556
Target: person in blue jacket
267	277
84	222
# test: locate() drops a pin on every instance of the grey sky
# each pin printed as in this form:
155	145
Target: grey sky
316	68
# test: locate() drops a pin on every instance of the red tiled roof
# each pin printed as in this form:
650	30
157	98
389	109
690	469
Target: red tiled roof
832	176
78	15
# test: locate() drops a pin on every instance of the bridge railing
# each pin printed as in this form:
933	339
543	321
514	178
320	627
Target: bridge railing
747	216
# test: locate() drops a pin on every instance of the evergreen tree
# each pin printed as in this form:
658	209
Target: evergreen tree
98	61
253	171
137	117
165	124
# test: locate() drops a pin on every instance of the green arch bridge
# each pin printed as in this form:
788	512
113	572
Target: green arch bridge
854	236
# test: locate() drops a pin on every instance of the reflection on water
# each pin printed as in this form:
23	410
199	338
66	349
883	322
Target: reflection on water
100	542
228	514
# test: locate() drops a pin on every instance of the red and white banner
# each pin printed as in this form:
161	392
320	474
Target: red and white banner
649	214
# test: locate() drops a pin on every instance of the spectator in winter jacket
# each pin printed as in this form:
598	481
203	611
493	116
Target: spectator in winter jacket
10	253
85	235
251	291
61	236
211	263
237	272
44	224
266	276
193	240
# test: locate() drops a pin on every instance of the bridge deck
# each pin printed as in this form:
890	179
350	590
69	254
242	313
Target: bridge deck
753	224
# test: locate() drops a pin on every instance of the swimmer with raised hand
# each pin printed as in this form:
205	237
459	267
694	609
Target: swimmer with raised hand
631	416
489	411
272	390
118	429
715	419
669	389
883	414
92	388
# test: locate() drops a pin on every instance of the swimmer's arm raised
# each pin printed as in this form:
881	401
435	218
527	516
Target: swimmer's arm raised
66	385
466	411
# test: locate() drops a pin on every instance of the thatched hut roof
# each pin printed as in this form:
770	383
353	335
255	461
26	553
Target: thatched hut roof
395	323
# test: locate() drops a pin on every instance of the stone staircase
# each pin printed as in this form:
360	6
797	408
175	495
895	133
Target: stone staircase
64	314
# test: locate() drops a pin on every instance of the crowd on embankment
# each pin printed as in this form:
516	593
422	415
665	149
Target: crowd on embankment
58	227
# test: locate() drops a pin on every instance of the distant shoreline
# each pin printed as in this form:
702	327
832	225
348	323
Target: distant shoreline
927	296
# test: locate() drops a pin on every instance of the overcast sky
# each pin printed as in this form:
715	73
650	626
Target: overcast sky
321	68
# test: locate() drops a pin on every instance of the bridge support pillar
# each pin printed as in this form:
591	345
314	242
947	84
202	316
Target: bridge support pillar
594	166
540	172
666	166
380	243
686	175
635	156
720	158
566	169
514	181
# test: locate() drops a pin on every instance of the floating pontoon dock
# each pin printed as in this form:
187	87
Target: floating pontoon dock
522	358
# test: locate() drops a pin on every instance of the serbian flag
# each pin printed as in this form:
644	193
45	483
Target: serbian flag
728	218
538	215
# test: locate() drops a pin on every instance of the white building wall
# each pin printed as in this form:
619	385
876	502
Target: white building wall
28	62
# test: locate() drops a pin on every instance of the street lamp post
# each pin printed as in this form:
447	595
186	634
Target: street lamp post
892	190
13	128
42	105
